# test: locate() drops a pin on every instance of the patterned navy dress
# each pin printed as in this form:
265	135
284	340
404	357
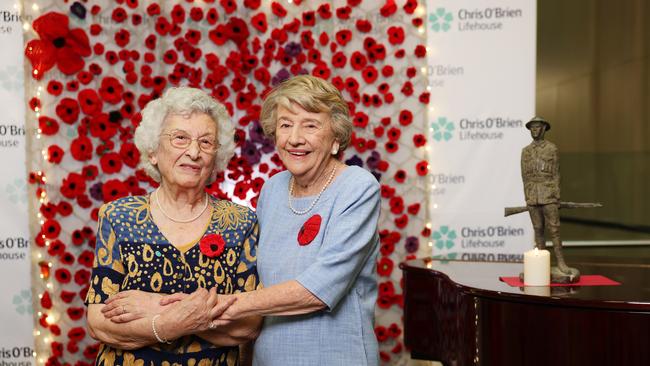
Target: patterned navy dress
132	254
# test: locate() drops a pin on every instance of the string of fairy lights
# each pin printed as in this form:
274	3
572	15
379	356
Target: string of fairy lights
429	185
41	261
43	264
43	338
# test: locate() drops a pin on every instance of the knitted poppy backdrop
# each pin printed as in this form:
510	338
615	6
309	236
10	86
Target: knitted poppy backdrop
91	66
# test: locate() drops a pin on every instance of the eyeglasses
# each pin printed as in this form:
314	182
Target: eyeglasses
182	140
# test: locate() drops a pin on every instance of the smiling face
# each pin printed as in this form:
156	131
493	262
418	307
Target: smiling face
305	142
188	167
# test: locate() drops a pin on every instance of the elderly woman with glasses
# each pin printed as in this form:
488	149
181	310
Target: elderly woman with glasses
177	239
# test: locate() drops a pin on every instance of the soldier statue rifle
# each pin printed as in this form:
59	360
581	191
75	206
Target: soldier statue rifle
519	209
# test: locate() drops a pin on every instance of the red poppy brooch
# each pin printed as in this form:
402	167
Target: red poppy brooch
309	230
212	245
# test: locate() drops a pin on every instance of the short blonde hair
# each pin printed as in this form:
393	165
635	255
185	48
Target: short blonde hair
183	100
314	95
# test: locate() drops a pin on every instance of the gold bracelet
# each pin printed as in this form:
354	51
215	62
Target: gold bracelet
155	333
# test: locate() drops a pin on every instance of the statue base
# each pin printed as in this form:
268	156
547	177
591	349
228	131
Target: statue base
557	276
570	276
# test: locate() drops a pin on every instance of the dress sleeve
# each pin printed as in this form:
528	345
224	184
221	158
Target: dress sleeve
349	242
260	199
108	269
246	278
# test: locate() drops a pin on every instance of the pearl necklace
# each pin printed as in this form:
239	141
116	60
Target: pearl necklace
178	220
298	212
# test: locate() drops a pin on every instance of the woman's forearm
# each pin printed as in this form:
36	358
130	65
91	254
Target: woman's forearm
234	333
132	335
287	298
190	315
139	333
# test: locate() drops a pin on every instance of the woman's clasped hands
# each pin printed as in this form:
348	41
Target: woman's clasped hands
183	313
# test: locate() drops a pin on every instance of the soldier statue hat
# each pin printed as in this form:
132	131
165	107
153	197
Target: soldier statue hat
540	120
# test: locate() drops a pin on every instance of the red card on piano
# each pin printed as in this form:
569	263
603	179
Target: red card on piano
585	280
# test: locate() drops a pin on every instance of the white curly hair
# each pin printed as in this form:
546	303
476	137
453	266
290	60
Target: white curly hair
183	100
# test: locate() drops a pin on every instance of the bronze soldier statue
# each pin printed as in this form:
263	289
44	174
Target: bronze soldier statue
540	171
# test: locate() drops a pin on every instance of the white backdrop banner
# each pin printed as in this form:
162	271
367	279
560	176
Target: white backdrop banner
482	81
16	322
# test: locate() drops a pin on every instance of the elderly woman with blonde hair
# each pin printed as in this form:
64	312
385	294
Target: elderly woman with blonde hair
177	239
318	237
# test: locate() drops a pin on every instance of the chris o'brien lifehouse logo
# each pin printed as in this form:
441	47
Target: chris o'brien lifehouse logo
442	19
12	136
473	129
481	237
442	129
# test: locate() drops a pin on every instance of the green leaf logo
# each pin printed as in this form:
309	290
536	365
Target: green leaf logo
441	20
445	258
442	129
11	78
17	191
23	302
444	237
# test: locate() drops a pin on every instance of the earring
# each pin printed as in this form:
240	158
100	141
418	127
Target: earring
335	148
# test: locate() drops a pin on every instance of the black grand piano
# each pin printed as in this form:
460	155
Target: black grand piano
460	314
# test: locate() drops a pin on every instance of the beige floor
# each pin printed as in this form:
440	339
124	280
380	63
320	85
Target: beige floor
423	363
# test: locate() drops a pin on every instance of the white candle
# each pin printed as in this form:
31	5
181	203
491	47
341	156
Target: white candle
537	267
537	290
